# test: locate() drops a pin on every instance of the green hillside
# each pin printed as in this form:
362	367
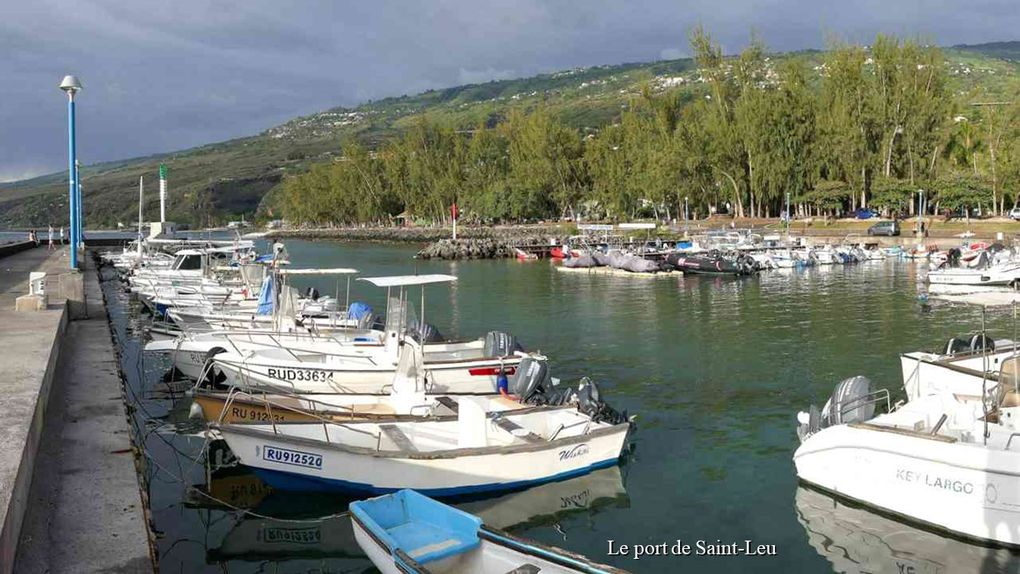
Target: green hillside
217	182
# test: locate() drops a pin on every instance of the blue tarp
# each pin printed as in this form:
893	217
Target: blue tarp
266	297
357	310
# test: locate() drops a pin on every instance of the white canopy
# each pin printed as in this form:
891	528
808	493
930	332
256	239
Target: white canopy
335	271
985	299
407	280
638	225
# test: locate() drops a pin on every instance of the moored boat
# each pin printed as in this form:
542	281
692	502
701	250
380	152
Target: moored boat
406	532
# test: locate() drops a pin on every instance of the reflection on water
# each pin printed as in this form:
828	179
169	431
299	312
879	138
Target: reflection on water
856	540
714	368
315	526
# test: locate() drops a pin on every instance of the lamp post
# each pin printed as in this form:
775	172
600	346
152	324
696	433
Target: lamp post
71	86
80	240
687	217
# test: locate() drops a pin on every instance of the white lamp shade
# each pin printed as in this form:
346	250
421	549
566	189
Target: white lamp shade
70	84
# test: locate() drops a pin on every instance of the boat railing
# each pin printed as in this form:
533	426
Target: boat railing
1010	439
304	412
564	427
873	398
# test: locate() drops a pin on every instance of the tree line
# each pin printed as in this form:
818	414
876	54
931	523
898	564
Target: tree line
868	127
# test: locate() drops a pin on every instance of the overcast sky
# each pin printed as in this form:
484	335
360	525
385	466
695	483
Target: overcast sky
168	75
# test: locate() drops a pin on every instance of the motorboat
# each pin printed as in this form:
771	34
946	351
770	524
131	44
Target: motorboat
368	367
946	461
478	452
406	532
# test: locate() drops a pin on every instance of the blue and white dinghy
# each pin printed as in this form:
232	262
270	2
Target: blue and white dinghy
408	533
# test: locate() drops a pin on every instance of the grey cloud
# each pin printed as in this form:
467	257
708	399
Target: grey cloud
161	76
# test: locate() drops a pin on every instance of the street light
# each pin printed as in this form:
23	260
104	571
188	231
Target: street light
71	86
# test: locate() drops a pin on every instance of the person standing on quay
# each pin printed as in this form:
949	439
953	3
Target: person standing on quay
50	237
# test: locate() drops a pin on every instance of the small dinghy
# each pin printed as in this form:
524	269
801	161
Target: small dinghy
408	533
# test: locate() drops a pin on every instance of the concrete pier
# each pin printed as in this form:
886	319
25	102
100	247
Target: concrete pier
69	491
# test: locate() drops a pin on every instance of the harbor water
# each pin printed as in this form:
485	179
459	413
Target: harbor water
715	369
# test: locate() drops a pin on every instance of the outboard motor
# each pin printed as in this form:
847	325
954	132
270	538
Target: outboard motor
980	342
953	257
312	294
850	403
427	333
956	345
531	379
499	344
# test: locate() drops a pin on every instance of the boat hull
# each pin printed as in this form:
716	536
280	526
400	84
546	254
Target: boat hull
961	488
479	471
471	377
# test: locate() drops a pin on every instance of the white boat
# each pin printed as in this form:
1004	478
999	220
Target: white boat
1002	274
406	532
368	367
476	453
946	461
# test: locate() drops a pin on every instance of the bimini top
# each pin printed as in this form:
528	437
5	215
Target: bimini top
989	299
335	271
406	280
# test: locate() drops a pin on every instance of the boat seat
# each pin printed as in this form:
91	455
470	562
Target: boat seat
1010	399
400	439
525	569
427	542
516	430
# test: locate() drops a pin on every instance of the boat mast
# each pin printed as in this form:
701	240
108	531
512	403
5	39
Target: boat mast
141	189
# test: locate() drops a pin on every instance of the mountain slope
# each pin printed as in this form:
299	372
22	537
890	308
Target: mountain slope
212	183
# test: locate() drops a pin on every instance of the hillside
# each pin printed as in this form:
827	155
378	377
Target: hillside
212	183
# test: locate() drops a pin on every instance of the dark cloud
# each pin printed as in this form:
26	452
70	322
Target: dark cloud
168	75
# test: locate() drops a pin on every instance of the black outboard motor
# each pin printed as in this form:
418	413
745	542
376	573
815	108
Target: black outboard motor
981	342
312	294
956	345
499	344
953	257
427	333
531	380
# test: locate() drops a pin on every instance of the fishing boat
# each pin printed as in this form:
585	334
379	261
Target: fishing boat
367	367
407	533
946	461
478	452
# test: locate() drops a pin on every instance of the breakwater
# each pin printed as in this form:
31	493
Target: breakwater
473	242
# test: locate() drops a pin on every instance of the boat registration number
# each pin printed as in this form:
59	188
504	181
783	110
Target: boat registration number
300	375
292	457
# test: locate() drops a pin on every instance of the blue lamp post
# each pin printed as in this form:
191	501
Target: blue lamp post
71	85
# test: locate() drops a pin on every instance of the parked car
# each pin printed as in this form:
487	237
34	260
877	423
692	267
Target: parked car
1014	213
889	228
865	213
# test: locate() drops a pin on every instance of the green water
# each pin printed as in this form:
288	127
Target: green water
714	368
